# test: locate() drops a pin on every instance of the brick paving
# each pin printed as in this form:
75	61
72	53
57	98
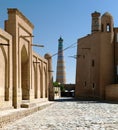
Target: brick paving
70	115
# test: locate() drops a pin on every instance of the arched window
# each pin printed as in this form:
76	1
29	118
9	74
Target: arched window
93	63
108	28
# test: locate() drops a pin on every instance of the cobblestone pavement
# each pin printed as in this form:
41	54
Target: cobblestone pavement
71	115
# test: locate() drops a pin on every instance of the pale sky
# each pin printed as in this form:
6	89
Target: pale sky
70	19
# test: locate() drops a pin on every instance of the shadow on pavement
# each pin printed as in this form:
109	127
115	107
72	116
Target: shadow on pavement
72	99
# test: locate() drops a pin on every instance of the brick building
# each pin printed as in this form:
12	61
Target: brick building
97	60
24	75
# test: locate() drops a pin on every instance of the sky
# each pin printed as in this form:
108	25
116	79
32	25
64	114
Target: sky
70	19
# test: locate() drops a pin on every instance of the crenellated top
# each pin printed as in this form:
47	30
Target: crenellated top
95	14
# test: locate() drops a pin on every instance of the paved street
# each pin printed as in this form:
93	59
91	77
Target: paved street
71	115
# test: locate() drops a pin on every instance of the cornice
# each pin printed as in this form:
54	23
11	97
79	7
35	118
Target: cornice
17	12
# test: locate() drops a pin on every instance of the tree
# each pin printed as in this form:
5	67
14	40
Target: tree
57	84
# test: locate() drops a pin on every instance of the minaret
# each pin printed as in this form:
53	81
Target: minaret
60	76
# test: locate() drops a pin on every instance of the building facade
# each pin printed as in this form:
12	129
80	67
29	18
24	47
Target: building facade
97	60
24	76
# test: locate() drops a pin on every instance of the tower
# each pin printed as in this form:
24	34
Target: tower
107	22
96	22
60	74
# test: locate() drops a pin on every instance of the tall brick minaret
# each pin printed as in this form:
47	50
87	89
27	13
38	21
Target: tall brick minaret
61	75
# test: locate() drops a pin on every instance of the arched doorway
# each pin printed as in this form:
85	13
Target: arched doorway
3	75
24	74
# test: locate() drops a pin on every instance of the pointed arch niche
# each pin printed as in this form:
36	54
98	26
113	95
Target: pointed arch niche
4	90
35	81
40	81
24	74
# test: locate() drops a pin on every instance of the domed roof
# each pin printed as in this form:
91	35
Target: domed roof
60	39
94	14
48	55
107	14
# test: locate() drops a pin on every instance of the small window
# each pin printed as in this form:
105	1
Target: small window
83	56
108	28
93	85
93	63
117	37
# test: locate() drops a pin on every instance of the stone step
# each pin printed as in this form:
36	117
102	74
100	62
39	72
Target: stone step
29	104
8	116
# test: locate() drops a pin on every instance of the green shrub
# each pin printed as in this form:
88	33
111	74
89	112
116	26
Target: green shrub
56	84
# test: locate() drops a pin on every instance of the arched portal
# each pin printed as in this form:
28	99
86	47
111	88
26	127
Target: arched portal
4	95
24	74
